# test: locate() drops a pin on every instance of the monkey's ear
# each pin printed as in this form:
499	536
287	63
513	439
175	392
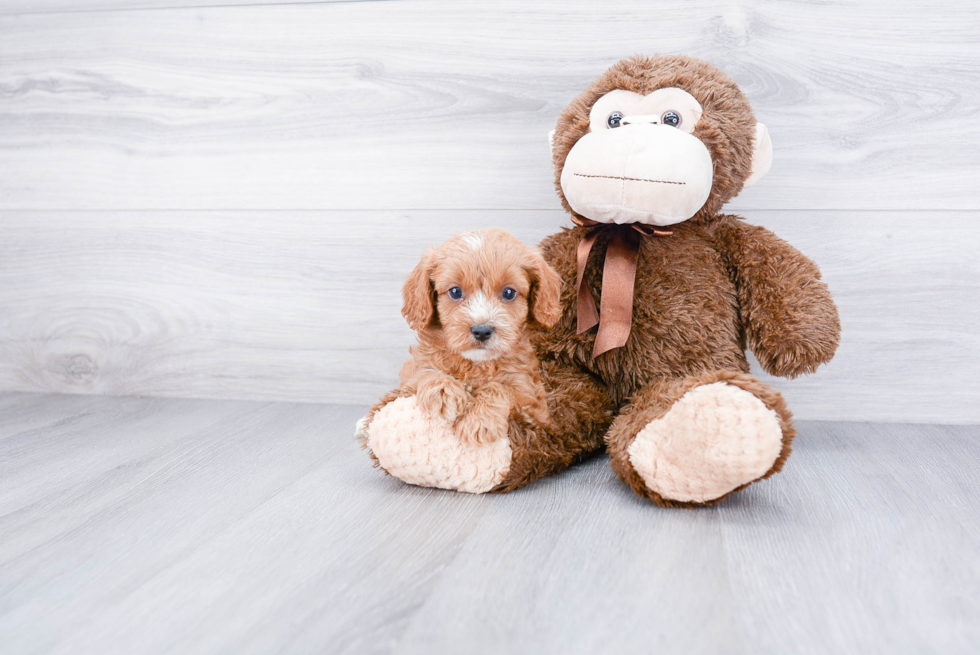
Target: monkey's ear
544	300
418	292
761	155
551	141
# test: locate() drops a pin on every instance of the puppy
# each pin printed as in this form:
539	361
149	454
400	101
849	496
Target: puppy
472	302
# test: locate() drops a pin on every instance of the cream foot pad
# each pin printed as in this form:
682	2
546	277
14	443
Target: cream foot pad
716	438
422	450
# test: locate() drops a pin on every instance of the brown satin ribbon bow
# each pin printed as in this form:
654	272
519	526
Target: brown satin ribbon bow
618	279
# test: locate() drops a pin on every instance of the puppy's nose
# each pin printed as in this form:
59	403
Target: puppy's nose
481	332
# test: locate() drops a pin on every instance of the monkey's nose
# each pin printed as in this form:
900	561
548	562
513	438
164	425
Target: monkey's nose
481	332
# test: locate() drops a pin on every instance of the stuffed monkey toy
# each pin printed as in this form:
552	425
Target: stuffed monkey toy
661	294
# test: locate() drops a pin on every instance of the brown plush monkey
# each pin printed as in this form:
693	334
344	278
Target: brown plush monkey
661	295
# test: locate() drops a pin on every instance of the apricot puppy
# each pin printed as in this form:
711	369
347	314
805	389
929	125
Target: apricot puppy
472	302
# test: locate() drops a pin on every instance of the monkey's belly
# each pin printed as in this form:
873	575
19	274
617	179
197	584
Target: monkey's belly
668	348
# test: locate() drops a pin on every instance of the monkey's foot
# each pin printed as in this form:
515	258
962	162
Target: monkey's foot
421	449
713	440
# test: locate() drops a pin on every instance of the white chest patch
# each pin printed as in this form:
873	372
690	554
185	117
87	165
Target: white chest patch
479	355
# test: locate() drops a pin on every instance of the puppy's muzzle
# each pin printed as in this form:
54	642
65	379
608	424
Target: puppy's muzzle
481	332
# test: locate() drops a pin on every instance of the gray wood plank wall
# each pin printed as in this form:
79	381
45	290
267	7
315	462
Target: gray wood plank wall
22	7
221	201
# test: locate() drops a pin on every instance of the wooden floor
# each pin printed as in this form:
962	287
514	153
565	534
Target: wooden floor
147	525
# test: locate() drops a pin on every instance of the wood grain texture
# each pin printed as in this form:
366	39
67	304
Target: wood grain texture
221	201
22	7
235	527
395	105
306	305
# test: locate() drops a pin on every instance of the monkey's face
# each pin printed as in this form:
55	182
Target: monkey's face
639	162
654	158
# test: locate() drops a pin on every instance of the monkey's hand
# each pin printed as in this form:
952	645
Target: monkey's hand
790	318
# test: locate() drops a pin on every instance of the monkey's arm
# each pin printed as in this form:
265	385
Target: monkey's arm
788	315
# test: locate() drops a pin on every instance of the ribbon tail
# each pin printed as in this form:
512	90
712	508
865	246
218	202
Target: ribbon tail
588	315
618	280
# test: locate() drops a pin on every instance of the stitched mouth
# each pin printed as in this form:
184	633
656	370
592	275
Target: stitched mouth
630	179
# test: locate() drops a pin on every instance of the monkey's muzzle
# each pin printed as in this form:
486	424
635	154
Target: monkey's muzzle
643	173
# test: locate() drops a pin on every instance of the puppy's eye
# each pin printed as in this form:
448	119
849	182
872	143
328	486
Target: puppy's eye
455	293
671	118
509	293
614	119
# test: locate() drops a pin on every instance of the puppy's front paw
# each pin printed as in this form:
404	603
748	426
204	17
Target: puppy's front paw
442	396
481	427
539	414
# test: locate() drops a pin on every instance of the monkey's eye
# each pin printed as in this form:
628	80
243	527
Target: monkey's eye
671	118
455	293
614	119
509	293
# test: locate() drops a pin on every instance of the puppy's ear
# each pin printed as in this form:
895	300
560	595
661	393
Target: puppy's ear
419	295
544	302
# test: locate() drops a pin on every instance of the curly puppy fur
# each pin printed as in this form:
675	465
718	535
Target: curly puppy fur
701	295
478	385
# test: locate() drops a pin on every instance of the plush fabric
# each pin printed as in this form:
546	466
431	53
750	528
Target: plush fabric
701	296
421	449
729	132
707	444
761	155
650	174
649	108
